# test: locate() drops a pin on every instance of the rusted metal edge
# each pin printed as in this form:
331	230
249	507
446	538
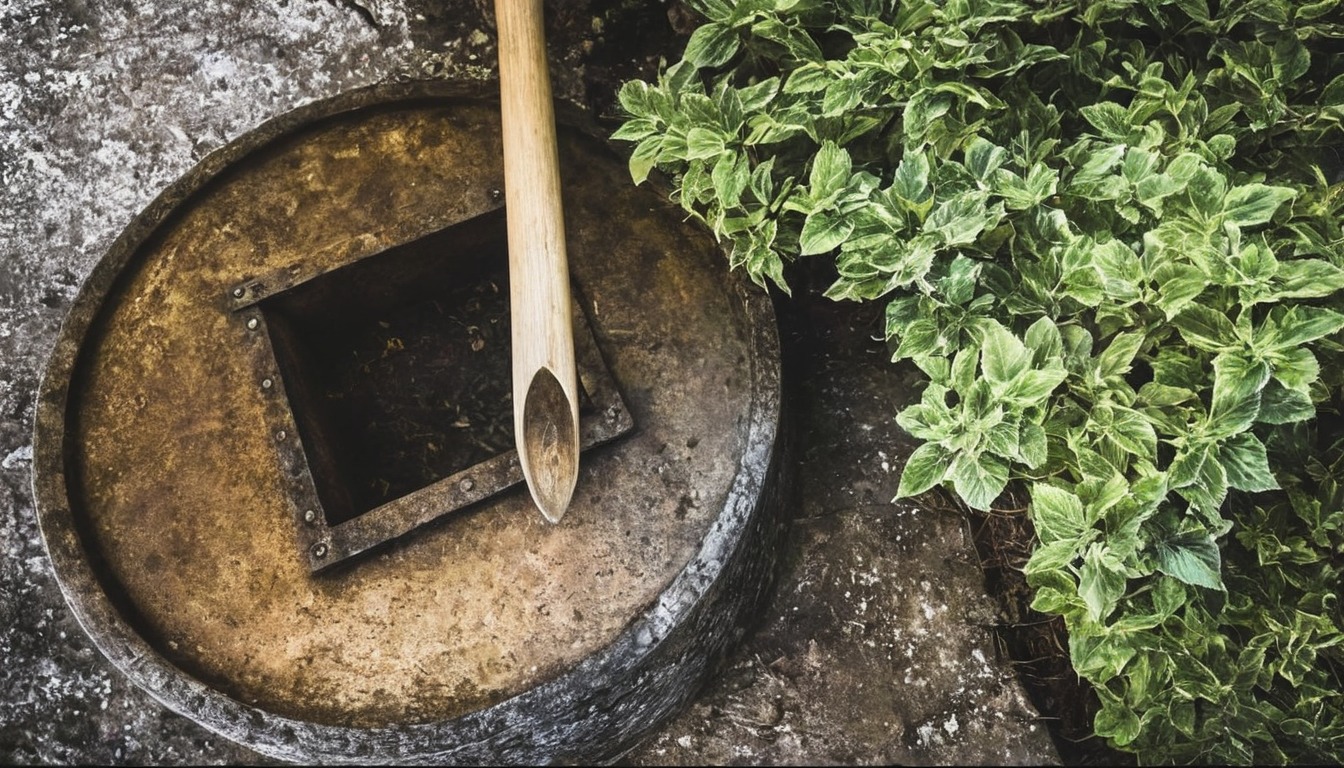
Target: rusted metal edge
257	289
594	711
300	487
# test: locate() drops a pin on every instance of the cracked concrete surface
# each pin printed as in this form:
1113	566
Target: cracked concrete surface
878	646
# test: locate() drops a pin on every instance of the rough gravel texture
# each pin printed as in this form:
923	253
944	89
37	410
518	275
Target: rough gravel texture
878	646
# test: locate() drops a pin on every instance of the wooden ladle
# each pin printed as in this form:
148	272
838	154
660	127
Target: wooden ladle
545	386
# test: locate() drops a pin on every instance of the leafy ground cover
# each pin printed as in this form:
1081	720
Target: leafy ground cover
1108	234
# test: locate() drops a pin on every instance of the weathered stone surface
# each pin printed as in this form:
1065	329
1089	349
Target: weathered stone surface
878	646
488	635
102	106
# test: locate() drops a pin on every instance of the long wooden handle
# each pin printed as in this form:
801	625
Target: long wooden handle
545	387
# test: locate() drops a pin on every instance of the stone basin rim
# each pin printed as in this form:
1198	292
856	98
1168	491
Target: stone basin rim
529	727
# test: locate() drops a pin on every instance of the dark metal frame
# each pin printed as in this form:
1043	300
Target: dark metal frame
322	543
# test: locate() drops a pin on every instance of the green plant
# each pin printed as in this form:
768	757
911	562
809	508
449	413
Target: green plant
1105	233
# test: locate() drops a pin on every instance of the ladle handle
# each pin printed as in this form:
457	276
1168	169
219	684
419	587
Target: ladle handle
545	387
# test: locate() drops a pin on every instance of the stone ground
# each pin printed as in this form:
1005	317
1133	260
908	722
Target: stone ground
878	646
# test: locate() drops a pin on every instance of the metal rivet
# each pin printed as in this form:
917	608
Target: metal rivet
266	383
496	195
320	549
281	435
252	324
467	484
238	292
310	516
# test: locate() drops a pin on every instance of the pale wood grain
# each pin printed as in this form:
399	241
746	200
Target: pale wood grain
545	416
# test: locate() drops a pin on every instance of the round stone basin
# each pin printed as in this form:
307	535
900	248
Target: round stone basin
270	469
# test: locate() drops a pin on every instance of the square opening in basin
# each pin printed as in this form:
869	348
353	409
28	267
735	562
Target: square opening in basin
397	365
